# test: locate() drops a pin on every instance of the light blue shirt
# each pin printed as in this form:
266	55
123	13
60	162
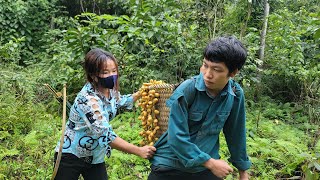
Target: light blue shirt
195	122
88	132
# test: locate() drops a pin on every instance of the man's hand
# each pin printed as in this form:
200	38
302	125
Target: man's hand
218	167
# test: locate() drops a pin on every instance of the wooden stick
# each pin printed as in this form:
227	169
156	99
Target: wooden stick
57	95
56	166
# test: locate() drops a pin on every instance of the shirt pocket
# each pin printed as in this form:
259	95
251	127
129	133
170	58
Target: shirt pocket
218	122
195	122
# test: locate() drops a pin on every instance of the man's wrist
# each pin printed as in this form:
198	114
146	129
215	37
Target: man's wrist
243	175
209	163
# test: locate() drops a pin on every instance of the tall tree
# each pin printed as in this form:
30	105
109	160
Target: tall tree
262	47
209	12
264	31
245	24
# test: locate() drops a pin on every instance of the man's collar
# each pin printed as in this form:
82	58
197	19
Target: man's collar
200	85
228	89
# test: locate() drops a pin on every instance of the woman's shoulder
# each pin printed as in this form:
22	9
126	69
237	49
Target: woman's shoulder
87	92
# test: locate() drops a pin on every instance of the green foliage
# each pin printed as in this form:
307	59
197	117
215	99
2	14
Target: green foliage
28	20
26	137
150	44
162	40
10	52
275	147
242	15
22	83
249	74
145	49
312	166
127	166
292	51
76	7
11	116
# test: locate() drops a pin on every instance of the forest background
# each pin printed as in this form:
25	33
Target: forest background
44	41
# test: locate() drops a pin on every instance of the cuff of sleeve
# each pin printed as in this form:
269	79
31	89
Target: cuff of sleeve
112	136
130	102
202	158
103	142
241	165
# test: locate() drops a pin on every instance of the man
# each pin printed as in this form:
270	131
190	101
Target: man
201	108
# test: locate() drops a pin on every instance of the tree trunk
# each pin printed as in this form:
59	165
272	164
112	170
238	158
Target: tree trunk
258	88
264	31
244	27
214	11
214	22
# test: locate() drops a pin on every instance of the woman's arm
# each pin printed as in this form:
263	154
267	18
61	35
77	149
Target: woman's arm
127	101
145	152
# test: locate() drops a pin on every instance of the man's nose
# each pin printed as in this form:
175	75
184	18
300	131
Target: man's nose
208	74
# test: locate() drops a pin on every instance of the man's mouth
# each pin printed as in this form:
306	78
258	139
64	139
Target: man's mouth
208	82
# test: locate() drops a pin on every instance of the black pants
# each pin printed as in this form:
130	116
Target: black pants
159	173
71	167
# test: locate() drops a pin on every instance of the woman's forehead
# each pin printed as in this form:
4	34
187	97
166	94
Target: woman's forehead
108	64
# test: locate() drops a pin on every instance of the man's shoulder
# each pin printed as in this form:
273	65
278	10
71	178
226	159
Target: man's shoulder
236	87
186	84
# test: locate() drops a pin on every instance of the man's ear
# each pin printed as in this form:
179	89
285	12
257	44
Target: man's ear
234	73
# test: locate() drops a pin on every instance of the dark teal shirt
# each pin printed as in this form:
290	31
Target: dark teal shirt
195	122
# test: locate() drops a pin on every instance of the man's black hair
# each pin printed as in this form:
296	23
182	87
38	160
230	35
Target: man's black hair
226	49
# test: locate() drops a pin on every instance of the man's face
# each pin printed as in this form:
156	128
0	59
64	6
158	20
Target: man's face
215	75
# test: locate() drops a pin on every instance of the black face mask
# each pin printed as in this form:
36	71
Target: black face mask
108	82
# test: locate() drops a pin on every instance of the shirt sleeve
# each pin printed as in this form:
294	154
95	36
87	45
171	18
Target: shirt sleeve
97	120
178	134
125	101
235	133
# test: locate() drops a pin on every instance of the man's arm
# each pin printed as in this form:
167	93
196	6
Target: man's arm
235	133
222	169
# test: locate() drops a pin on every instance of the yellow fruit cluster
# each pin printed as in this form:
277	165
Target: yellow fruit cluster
149	114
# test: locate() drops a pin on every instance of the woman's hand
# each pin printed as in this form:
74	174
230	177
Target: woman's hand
136	96
146	152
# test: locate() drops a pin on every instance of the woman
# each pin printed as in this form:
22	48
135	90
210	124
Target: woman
89	136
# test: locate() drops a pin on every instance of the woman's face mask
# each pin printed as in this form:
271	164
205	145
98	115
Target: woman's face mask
108	82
